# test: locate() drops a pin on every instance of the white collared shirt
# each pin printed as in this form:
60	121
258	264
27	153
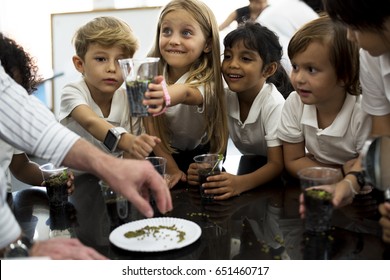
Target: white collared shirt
336	144
75	94
375	81
6	154
26	123
259	130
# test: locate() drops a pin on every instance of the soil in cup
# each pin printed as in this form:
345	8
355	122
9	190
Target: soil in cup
319	208
317	246
136	94
57	189
159	169
203	175
63	221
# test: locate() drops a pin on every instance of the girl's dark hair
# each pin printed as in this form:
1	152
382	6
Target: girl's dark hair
262	40
360	14
18	64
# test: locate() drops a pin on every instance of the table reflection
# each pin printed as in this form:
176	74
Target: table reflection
62	221
263	223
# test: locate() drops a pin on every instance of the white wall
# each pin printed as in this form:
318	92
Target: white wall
31	25
65	25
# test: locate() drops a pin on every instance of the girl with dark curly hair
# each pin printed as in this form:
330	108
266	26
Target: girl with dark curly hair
19	64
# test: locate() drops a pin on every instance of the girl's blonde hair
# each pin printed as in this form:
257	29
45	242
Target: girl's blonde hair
343	54
107	32
206	70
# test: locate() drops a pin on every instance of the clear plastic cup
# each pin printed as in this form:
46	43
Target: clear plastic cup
138	73
208	165
55	181
318	202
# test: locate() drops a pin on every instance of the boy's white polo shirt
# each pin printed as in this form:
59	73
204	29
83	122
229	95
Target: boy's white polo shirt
336	144
259	130
375	81
75	94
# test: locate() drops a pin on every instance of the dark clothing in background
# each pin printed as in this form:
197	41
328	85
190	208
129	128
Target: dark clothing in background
243	14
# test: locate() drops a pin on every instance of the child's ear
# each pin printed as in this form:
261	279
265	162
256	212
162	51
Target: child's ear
341	83
207	47
78	63
270	69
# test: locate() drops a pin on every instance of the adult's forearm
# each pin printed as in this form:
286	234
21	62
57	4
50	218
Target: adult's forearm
86	157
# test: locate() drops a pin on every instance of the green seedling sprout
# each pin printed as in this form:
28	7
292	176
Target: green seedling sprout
220	158
57	179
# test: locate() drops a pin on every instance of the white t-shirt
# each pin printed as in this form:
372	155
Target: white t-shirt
285	17
259	130
375	80
75	94
186	122
336	144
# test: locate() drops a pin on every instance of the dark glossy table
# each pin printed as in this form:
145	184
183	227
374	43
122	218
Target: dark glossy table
261	224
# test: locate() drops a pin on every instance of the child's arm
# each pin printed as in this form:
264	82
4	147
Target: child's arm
232	16
227	185
179	94
137	146
25	170
296	159
174	172
29	173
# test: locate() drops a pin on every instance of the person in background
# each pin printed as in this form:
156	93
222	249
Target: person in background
247	13
187	43
20	66
285	17
257	82
322	123
368	26
40	134
316	5
96	104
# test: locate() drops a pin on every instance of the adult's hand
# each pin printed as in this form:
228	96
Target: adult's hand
134	179
64	249
137	180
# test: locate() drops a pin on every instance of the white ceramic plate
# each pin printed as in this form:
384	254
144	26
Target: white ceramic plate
164	234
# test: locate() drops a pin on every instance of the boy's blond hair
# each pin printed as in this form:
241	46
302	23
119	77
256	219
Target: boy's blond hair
107	32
